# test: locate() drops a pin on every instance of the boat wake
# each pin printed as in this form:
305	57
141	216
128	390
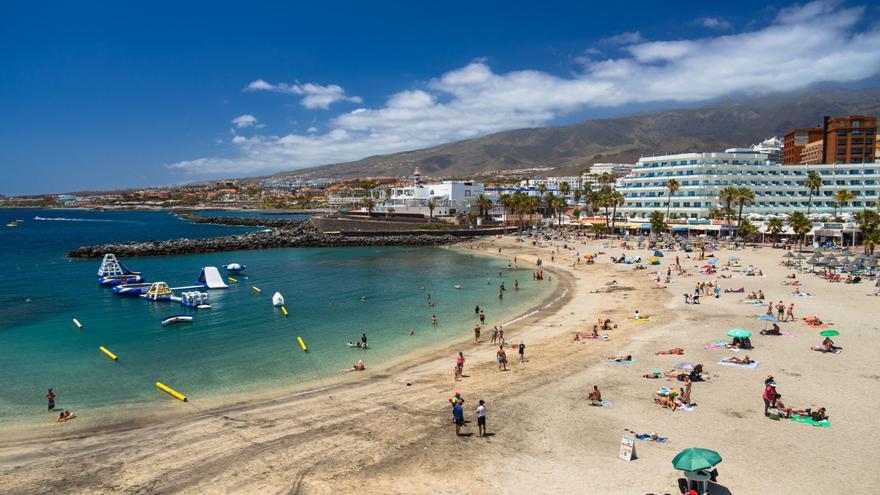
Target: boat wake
63	219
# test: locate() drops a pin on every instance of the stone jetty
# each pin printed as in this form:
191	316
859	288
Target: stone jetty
293	233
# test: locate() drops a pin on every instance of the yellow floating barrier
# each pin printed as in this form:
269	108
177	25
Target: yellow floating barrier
233	280
77	323
284	310
170	391
108	353
302	344
256	289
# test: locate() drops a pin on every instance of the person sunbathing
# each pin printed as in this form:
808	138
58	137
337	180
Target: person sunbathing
812	320
668	401
64	416
772	331
676	351
652	376
827	346
736	360
815	415
621	359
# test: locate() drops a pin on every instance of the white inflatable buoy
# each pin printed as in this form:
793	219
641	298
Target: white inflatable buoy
277	300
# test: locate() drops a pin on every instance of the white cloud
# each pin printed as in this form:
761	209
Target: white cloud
803	46
314	95
713	23
624	38
243	121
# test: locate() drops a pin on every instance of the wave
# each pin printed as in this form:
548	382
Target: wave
63	219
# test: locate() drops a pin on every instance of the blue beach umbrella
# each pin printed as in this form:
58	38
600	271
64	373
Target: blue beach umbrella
771	319
658	254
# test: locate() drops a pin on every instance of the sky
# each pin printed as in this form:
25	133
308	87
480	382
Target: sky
101	95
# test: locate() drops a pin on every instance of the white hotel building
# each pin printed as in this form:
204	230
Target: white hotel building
778	188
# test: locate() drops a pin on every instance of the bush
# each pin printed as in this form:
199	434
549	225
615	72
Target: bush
431	226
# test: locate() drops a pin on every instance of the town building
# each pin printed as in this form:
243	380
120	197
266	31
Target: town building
618	169
813	153
553	184
849	139
778	188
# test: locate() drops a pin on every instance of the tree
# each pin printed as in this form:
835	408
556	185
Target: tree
531	205
814	184
728	196
369	204
506	201
542	189
871	240
368	185
774	227
616	199
747	229
673	187
431	204
658	222
598	229
560	205
550	201
800	224
743	196
869	225
564	189
484	204
842	197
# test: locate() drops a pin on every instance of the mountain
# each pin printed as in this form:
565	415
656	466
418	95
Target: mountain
569	149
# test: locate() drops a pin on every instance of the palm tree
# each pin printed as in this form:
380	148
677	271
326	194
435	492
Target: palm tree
550	200
484	204
616	199
506	200
369	204
744	196
814	184
598	229
658	222
564	189
801	225
542	189
603	199
774	227
431	204
728	196
560	205
842	197
747	229
673	188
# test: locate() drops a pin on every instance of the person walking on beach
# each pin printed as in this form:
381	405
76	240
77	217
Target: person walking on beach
459	366
502	358
789	313
780	311
481	419
494	335
770	308
50	396
522	351
501	334
477	334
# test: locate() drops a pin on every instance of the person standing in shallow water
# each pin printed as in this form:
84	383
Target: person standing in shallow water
50	397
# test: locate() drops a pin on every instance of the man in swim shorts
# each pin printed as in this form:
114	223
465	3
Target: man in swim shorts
502	358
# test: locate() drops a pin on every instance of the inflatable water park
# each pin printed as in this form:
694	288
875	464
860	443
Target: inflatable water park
113	273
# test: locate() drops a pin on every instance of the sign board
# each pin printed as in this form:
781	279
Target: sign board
627	448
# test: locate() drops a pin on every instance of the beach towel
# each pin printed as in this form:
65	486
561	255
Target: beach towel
647	438
604	403
626	362
752	365
802	295
590	337
720	344
686	408
809	421
640	320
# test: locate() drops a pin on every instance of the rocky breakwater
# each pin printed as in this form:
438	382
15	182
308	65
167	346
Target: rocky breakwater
300	234
246	221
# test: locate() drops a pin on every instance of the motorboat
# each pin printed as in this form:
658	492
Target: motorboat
170	320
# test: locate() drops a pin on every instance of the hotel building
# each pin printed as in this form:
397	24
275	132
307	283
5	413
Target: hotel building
778	188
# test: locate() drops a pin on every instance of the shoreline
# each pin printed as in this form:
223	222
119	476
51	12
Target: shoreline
125	417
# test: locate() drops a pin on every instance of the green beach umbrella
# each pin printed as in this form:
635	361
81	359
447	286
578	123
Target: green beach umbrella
739	332
695	459
829	333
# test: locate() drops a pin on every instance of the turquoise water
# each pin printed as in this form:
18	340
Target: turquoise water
243	342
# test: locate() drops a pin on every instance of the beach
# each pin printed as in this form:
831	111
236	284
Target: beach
389	430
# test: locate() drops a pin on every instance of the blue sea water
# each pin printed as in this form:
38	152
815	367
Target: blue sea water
243	343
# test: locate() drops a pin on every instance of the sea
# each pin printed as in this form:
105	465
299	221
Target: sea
243	343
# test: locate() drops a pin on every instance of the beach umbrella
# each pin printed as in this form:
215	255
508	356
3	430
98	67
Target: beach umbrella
695	459
788	255
860	256
832	264
870	261
684	366
800	257
771	319
658	254
712	261
739	332
829	333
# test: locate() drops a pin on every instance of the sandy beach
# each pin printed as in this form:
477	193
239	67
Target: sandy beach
390	431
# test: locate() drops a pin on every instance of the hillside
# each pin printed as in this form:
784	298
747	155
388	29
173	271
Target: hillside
569	149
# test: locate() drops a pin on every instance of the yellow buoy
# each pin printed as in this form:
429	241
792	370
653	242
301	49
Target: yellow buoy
77	323
256	289
108	353
284	310
233	280
170	391
302	344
